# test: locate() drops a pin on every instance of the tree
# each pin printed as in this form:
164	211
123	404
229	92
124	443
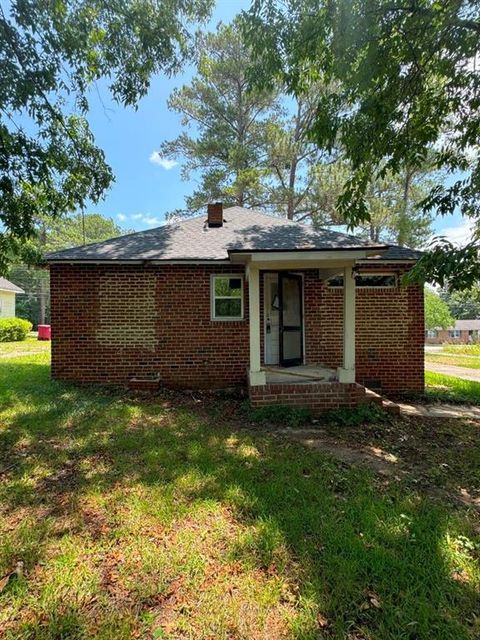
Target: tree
299	178
224	137
53	235
437	313
395	214
463	305
51	54
405	86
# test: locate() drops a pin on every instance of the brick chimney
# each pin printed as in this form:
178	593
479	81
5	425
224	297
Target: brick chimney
215	214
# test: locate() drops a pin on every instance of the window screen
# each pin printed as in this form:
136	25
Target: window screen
363	280
227	298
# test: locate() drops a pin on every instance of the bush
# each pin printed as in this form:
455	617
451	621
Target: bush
14	329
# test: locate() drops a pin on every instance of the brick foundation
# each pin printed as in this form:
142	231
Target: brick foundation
318	397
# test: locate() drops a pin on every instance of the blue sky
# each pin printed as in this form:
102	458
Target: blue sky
144	190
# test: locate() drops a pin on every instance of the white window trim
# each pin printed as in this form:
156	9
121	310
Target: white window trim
369	273
454	333
239	318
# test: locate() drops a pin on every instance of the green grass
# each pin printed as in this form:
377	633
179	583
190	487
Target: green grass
29	345
166	519
468	349
450	389
458	360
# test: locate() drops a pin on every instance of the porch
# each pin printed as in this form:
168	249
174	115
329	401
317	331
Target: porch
308	386
282	369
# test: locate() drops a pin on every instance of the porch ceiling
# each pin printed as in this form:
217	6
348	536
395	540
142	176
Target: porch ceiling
303	259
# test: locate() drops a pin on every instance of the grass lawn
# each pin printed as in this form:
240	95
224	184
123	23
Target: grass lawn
467	349
450	389
168	518
458	360
28	346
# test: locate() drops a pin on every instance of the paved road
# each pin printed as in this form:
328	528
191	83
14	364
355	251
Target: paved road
451	370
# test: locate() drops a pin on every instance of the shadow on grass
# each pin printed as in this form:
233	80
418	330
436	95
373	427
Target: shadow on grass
362	560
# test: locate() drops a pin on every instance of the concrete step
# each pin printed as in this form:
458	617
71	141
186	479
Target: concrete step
387	405
373	397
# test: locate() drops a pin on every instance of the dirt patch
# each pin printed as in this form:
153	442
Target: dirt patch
380	461
436	455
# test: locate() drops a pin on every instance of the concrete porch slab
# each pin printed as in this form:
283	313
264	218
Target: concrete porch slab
301	374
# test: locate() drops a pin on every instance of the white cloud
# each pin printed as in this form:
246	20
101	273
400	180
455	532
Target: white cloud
147	218
167	164
142	218
459	234
150	220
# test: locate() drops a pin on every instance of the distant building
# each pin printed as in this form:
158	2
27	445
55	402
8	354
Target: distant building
8	291
464	332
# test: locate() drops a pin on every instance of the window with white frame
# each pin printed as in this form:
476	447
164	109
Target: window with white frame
227	297
432	333
454	333
368	281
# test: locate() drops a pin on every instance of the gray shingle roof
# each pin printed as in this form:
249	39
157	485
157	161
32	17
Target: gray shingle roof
243	229
467	325
402	253
6	285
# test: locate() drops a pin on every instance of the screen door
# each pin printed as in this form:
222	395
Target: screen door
291	321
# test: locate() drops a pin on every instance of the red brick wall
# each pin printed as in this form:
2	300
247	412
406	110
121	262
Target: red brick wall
113	323
316	397
188	348
389	330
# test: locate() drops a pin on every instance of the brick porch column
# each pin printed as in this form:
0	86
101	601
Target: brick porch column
347	372
256	376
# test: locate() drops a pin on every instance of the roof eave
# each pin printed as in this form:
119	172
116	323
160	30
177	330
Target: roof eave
17	290
305	255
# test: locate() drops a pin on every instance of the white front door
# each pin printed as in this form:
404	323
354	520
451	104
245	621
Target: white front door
271	318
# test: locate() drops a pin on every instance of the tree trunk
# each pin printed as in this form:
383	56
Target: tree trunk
402	236
292	177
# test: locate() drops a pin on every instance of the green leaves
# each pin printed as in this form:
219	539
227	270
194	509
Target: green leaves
405	88
437	313
225	124
51	53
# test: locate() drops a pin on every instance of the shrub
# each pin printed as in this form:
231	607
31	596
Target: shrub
14	329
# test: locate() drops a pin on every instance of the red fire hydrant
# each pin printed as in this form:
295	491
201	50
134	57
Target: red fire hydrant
44	332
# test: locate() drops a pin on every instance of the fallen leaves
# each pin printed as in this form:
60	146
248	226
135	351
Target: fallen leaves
16	573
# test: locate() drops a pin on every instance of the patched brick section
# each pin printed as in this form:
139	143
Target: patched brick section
190	350
317	397
127	321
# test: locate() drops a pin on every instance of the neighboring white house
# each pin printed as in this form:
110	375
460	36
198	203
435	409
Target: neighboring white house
8	291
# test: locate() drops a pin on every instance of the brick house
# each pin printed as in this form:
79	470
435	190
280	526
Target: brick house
239	299
464	332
